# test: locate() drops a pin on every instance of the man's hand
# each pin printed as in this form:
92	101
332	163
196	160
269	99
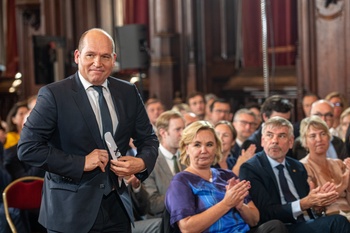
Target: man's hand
320	196
127	165
97	158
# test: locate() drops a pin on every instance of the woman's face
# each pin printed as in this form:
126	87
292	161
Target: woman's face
225	134
338	106
19	118
317	141
202	149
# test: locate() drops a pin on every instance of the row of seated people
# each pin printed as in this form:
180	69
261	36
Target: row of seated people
158	182
218	110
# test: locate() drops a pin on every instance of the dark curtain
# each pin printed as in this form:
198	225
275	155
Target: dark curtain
11	40
282	32
136	12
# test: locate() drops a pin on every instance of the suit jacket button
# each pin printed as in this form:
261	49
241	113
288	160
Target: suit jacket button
102	186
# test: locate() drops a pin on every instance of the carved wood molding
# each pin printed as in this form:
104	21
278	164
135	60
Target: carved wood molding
30	10
329	11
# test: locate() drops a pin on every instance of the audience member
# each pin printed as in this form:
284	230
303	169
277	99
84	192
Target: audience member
227	134
255	108
220	110
340	103
181	108
169	129
140	204
344	123
14	122
205	199
323	109
315	137
196	102
244	122
308	99
12	164
154	108
189	118
273	106
284	194
209	98
64	135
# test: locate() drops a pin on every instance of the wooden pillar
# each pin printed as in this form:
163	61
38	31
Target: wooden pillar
164	43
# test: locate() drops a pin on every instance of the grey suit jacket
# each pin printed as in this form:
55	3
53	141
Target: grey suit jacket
61	130
157	184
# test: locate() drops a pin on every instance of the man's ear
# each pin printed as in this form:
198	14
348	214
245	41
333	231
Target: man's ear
265	118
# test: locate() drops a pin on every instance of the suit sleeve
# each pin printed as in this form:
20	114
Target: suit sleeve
265	195
34	146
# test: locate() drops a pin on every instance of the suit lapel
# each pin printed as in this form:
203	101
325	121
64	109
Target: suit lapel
268	169
82	101
164	166
296	178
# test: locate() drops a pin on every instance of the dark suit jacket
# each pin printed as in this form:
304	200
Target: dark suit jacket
299	151
255	138
61	130
264	187
18	169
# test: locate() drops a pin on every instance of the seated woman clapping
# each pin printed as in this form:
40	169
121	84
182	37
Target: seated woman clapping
315	137
205	199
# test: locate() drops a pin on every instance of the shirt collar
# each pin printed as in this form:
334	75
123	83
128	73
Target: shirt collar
274	163
87	84
167	154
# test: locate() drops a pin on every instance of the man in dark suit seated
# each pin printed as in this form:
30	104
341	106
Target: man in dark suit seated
325	110
279	186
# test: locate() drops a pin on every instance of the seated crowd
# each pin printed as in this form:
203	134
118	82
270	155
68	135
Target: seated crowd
220	170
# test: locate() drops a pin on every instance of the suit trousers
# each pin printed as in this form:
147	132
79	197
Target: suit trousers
272	226
111	217
327	224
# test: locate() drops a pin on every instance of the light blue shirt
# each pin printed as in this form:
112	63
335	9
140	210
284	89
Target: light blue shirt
296	209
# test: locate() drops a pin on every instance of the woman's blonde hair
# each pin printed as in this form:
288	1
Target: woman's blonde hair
314	121
190	132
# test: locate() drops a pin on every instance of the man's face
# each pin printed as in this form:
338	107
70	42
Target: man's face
338	106
153	111
323	110
171	137
276	142
245	126
197	105
96	58
307	102
221	111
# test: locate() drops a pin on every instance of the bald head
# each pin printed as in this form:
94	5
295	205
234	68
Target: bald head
324	109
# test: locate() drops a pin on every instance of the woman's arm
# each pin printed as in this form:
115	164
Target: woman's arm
250	213
236	191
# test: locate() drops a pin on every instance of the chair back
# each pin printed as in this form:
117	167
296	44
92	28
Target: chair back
24	194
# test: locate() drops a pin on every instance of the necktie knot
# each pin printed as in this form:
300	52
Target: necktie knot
98	89
280	167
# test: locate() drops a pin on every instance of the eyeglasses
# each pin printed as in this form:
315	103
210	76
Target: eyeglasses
245	123
327	115
338	104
